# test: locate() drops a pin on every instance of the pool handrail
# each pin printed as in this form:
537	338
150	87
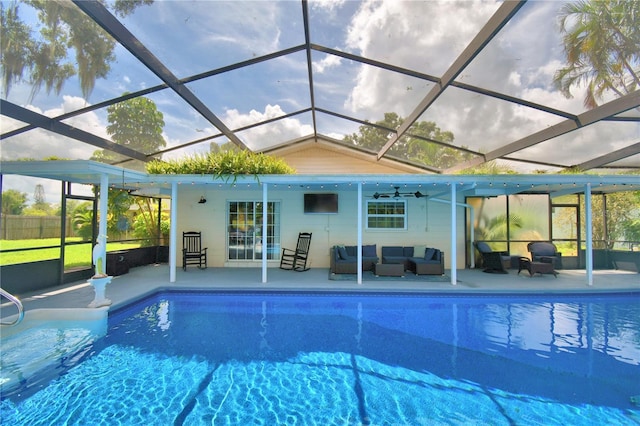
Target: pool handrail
16	302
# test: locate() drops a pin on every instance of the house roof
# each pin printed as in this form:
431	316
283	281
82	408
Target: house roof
267	74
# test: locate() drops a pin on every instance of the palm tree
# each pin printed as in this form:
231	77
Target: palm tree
602	48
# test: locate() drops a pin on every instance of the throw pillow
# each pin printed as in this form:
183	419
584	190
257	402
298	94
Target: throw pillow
437	255
369	251
428	255
342	252
419	251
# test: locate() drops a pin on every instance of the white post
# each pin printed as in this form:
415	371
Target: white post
99	251
589	234
359	249
102	205
265	210
454	251
472	236
173	233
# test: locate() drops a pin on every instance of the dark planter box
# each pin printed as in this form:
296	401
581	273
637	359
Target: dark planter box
26	277
626	260
614	259
119	262
33	276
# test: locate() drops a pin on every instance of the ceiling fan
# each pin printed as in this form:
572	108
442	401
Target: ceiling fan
398	194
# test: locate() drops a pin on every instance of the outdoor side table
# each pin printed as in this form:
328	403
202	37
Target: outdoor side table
389	269
545	266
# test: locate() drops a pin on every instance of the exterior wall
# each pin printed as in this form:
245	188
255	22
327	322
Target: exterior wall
326	158
428	224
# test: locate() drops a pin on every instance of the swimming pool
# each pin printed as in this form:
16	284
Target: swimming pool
350	359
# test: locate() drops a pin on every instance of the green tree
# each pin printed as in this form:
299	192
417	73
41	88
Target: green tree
214	148
145	224
135	123
44	57
602	48
417	145
489	168
13	201
620	217
83	223
40	207
118	205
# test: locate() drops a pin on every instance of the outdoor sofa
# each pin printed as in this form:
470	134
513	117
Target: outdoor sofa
344	259
420	260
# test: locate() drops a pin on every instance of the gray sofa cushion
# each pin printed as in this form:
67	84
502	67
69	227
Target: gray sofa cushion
392	251
429	254
342	252
369	250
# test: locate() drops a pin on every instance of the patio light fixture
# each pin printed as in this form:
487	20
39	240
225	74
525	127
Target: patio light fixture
398	194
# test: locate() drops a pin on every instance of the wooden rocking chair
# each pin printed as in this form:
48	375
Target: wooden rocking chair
296	260
192	251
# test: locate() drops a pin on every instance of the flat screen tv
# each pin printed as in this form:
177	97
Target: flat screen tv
320	203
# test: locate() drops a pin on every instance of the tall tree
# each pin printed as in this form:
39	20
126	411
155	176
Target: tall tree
420	149
602	48
13	201
135	123
44	56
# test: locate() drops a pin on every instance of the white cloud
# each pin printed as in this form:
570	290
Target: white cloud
267	135
328	62
39	144
396	32
515	79
329	5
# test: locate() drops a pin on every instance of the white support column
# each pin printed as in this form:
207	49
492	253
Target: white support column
173	233
454	236
265	211
359	248
103	205
99	252
589	233
472	236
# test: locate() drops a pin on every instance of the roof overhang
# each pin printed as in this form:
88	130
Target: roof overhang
91	172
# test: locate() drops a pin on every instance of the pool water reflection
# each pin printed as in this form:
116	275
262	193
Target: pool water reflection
189	358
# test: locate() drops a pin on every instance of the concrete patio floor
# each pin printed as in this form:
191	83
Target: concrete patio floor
146	280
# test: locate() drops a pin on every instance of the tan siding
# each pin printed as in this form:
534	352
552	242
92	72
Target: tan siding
316	159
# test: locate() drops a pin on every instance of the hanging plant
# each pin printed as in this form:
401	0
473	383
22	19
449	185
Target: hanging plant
222	164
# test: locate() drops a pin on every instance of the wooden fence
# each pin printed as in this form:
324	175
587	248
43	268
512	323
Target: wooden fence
14	227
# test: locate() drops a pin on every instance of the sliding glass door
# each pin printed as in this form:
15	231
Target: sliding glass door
245	239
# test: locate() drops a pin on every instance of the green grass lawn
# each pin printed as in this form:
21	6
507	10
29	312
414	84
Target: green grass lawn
75	255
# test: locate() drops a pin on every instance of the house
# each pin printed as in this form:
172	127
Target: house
381	209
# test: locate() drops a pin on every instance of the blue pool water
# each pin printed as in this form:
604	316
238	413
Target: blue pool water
320	359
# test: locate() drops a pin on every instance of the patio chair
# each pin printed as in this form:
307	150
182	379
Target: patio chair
192	251
493	262
543	251
296	260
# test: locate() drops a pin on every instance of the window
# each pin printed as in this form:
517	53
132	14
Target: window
387	214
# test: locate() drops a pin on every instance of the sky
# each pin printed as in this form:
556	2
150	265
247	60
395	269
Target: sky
192	37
